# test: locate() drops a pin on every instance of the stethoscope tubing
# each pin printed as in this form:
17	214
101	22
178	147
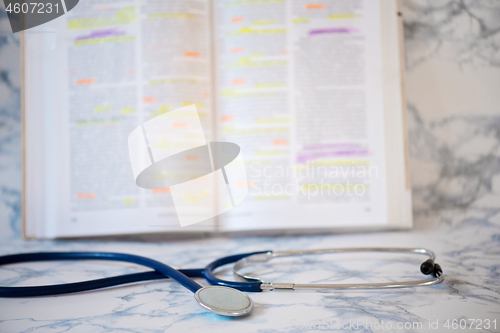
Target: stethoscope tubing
161	271
183	276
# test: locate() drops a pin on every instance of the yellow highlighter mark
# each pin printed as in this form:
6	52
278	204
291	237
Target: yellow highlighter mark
194	198
198	104
343	16
270	85
97	122
172	16
262	63
156	82
248	30
264	22
126	14
105	40
315	187
177	80
161	110
123	16
103	108
274	120
127	110
238	93
300	20
271	152
339	162
232	131
272	197
254	2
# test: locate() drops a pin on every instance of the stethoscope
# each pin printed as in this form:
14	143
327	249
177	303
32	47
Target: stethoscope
222	297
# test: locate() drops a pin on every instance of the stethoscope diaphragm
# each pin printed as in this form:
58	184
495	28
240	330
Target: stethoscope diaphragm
224	301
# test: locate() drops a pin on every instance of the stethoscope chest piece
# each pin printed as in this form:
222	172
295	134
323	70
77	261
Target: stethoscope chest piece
224	301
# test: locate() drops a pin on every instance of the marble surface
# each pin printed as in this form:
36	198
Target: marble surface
453	81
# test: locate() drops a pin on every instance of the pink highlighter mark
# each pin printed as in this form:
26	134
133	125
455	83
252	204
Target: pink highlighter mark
316	151
318	146
101	34
340	30
311	157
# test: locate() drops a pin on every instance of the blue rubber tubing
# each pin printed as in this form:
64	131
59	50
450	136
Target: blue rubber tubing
161	271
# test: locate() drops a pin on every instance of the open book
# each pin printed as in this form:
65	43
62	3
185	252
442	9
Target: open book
311	92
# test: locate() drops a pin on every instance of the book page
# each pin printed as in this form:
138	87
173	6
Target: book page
109	66
299	88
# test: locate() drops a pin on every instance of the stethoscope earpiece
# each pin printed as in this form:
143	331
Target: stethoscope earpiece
224	301
437	270
429	267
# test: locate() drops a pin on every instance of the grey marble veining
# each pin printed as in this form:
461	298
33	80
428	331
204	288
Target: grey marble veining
454	146
10	131
465	32
453	99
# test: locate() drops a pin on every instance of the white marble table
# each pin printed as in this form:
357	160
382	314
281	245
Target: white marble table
453	80
469	256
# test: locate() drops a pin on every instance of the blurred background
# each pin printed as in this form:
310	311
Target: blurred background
452	51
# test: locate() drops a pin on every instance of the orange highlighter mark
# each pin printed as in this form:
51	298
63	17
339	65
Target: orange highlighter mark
192	54
85	81
148	99
280	142
192	157
180	125
161	190
227	118
237	19
246	184
315	6
237	50
85	195
238	81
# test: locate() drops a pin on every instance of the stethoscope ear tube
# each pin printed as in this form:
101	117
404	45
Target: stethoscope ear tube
428	267
208	272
